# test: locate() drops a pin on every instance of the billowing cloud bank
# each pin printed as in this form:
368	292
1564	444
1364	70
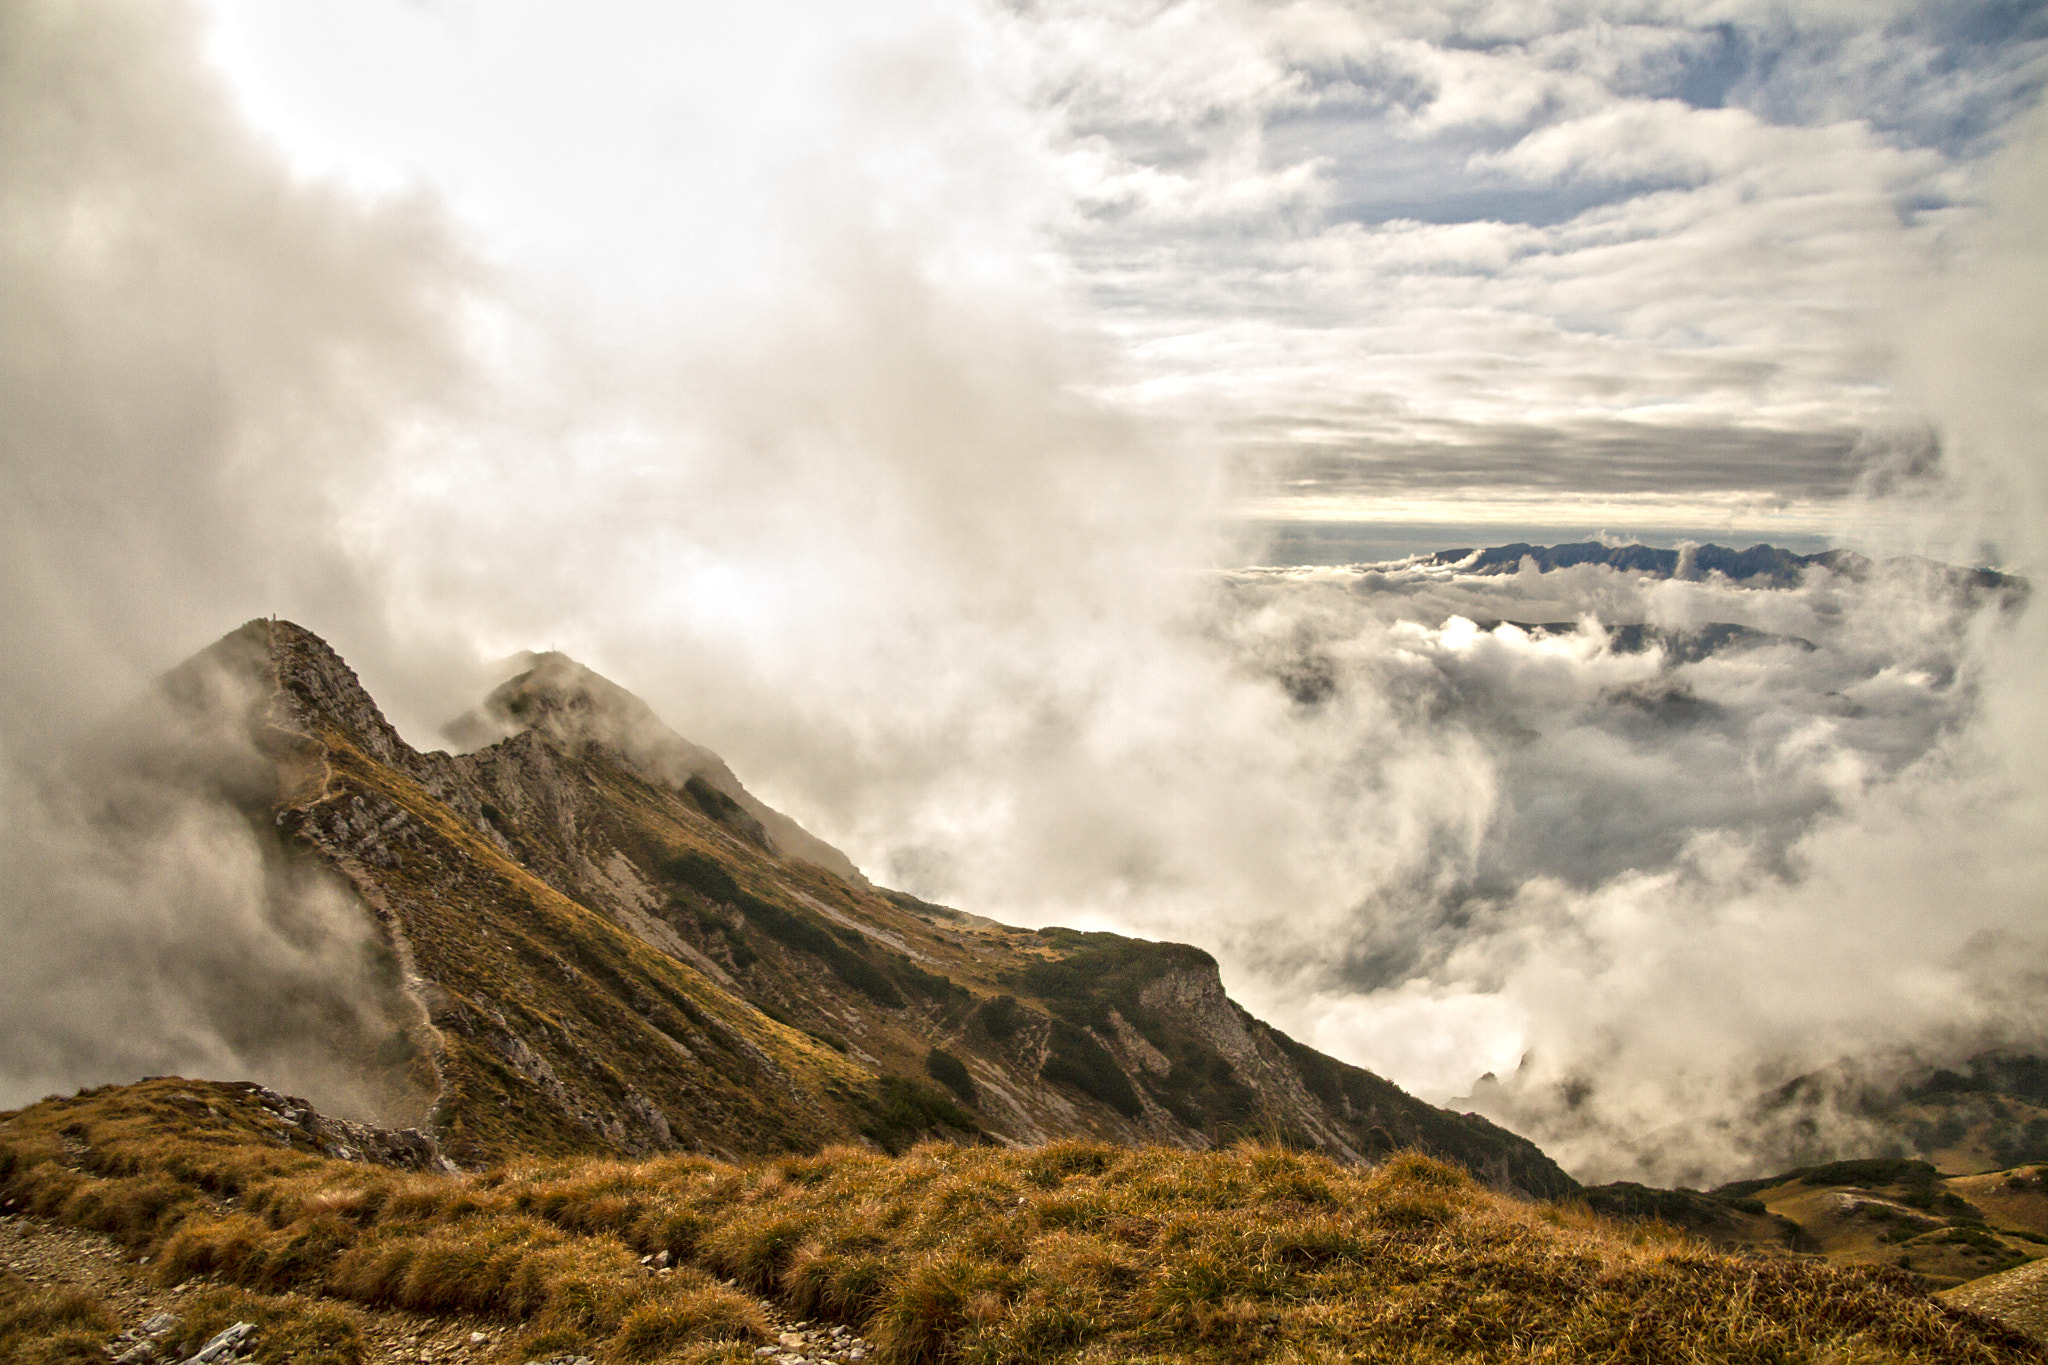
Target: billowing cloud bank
1686	873
893	450
202	356
199	357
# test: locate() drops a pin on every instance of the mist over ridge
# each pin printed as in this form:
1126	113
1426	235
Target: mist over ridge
921	535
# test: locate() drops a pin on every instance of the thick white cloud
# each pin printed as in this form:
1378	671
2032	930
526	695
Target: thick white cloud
1335	231
200	357
1352	243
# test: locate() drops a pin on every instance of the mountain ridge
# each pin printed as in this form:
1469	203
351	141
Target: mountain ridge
600	941
1761	563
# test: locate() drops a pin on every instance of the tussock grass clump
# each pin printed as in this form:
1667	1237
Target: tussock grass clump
289	1331
41	1326
1074	1252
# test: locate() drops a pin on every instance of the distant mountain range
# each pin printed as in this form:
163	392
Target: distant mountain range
1759	565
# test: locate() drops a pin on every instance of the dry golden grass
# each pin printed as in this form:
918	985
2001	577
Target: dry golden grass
1068	1253
44	1326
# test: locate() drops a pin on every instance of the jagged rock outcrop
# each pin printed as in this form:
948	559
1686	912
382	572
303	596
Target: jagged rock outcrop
607	943
405	1149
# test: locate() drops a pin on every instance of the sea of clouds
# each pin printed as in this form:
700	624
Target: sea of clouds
1651	875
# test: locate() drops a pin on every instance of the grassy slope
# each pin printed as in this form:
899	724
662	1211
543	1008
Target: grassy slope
1072	1252
1945	1230
1903	1213
515	959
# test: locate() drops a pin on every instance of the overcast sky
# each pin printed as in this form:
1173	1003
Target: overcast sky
1626	265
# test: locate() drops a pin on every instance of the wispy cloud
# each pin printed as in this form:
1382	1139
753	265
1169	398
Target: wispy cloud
1325	225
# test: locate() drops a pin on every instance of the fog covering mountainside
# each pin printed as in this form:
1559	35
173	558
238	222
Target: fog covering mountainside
588	936
1632	862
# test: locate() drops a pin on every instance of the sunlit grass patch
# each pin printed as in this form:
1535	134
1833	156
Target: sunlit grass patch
1070	1253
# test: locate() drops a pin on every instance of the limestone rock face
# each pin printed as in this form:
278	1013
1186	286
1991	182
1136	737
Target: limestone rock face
317	692
608	944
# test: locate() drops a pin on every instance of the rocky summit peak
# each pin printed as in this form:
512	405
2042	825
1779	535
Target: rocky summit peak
277	676
320	691
265	690
574	706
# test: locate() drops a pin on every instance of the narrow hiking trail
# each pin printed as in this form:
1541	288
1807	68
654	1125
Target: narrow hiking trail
51	1256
